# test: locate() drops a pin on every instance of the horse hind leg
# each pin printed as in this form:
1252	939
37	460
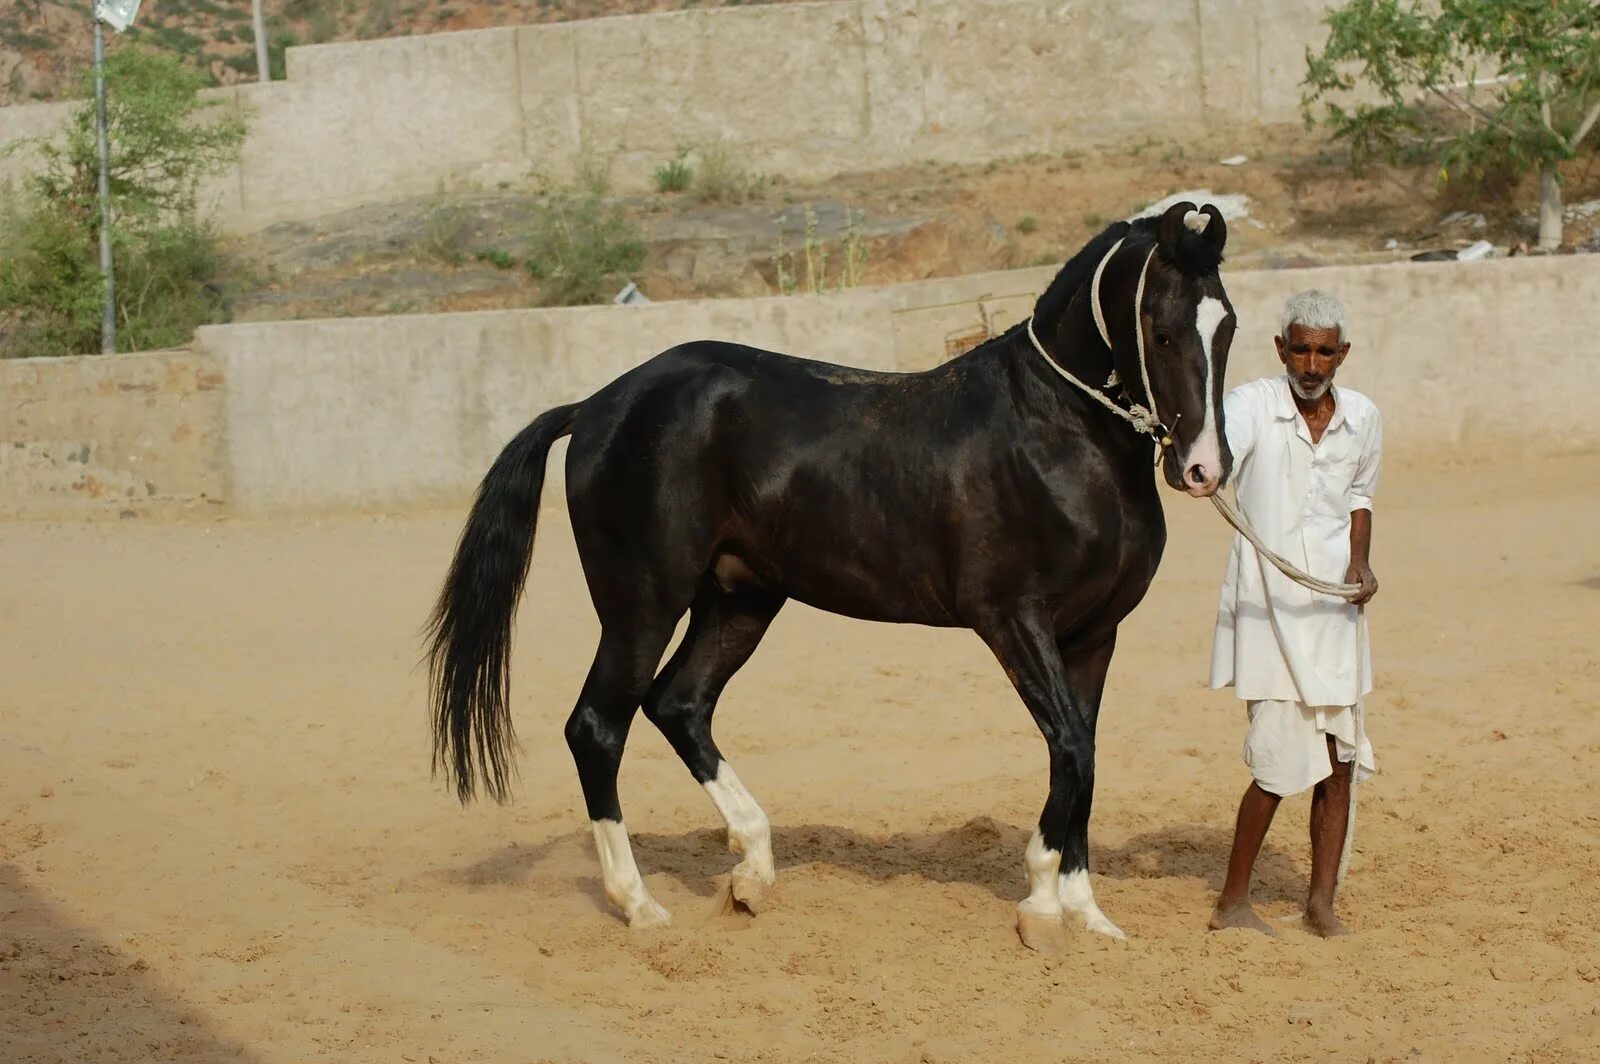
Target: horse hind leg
724	629
596	733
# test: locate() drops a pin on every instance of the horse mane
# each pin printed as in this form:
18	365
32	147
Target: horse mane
1195	256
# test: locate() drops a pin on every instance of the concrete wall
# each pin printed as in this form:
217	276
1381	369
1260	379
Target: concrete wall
806	90
1466	360
386	411
105	435
1463	358
22	124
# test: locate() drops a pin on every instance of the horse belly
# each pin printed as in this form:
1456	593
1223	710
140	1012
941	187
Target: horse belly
846	556
855	587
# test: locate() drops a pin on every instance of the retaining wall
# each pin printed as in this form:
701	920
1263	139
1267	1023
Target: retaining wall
1466	360
110	434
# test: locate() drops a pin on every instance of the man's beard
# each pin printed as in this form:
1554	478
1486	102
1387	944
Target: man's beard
1313	394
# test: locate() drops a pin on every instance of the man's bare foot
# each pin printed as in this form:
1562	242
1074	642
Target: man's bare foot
1239	914
1319	920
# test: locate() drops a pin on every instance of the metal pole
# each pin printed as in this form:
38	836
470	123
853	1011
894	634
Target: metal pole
263	64
108	323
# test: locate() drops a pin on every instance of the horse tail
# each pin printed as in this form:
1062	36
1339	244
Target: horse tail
469	631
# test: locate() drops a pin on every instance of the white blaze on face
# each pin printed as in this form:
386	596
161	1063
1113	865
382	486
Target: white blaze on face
1206	450
749	831
623	884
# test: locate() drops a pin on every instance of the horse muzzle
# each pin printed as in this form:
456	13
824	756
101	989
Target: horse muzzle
1202	467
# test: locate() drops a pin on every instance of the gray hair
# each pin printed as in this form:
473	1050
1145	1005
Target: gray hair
1314	309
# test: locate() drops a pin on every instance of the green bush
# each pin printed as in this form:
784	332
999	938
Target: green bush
722	178
497	257
675	174
582	247
50	285
277	61
166	262
169	281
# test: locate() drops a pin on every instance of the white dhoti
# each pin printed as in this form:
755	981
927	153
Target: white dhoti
1287	745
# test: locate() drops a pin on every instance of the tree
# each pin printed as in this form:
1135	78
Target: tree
1477	86
162	143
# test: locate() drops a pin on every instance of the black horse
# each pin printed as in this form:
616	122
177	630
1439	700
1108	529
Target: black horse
1001	492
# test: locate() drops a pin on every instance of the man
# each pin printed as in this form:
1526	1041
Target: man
1305	466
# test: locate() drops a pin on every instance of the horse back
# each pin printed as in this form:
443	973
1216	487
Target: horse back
884	496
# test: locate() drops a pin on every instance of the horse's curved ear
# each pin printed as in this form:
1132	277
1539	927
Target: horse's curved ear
1216	230
1172	225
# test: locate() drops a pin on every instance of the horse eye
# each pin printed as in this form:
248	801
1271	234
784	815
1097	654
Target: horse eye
1162	340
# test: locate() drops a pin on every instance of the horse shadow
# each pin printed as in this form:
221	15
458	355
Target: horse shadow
982	852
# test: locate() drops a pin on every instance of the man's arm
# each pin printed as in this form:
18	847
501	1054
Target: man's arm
1361	492
1238	423
1360	571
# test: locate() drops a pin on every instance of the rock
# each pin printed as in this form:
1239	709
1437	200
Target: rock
1576	211
1232	205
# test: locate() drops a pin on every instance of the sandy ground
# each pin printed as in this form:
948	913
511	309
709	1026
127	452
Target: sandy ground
219	840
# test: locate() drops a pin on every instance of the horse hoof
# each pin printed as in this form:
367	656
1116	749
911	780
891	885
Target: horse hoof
1045	935
1100	925
649	915
749	891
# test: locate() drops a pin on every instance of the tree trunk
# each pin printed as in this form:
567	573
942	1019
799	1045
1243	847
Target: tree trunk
1549	209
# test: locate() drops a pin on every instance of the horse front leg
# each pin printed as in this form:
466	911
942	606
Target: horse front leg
1027	651
1086	665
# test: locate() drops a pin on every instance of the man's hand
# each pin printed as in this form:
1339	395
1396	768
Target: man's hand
1360	550
1361	573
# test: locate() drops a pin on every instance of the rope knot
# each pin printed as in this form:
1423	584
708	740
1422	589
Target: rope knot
1144	419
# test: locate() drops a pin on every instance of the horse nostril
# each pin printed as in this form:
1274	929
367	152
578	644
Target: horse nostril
1197	473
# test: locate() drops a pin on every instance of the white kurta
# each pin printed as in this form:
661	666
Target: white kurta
1275	639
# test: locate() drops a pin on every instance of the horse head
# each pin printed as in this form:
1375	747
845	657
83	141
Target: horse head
1143	302
1159	304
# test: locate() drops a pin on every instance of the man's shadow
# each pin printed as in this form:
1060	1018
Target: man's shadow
983	852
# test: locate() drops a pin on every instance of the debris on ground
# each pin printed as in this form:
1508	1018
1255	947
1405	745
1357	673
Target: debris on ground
1464	220
1474	252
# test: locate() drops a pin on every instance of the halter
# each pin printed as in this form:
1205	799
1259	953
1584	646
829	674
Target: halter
1146	420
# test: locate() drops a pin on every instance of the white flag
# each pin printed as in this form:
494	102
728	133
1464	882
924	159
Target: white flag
118	14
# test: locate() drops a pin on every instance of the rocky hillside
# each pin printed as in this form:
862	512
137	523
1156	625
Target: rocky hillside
45	44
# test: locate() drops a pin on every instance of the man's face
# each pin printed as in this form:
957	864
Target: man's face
1312	357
